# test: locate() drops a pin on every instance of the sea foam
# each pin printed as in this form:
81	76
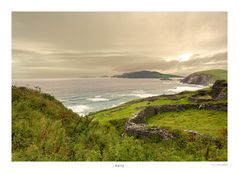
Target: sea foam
97	99
184	88
80	109
140	94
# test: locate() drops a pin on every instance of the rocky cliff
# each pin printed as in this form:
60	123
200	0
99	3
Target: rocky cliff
198	79
205	77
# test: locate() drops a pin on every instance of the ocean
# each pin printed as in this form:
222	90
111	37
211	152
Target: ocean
85	95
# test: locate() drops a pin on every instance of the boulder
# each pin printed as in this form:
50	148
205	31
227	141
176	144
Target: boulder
219	90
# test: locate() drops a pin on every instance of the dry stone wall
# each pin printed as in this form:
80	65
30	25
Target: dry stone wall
136	125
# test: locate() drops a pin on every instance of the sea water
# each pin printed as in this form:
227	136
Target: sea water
85	95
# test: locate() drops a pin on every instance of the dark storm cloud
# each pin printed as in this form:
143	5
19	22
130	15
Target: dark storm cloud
96	44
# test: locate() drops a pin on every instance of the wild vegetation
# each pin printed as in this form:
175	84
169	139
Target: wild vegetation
44	130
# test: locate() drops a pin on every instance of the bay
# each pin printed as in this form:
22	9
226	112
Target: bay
85	95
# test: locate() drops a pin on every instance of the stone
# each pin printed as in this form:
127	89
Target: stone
219	90
136	126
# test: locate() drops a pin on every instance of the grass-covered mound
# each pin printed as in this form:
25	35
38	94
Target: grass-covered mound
217	74
205	122
44	130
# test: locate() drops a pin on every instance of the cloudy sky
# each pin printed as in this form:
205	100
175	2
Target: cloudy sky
54	45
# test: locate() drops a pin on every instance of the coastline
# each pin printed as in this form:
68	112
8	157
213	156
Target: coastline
87	95
79	108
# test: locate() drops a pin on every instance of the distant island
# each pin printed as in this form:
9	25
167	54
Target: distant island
146	74
205	77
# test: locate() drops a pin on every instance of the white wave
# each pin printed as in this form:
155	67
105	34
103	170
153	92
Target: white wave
184	88
143	95
115	105
98	99
63	100
121	103
138	91
80	109
140	94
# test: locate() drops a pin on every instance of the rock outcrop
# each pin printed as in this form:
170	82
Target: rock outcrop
219	90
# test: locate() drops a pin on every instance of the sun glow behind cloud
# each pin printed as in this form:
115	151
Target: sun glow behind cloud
184	57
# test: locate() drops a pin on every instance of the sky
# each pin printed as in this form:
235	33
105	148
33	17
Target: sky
92	44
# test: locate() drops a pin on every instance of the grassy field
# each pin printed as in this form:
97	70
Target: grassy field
209	122
127	110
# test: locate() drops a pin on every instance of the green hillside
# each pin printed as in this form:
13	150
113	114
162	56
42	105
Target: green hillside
44	130
41	126
145	74
217	74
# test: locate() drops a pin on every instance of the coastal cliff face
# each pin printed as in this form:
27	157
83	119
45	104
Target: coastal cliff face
205	77
199	79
